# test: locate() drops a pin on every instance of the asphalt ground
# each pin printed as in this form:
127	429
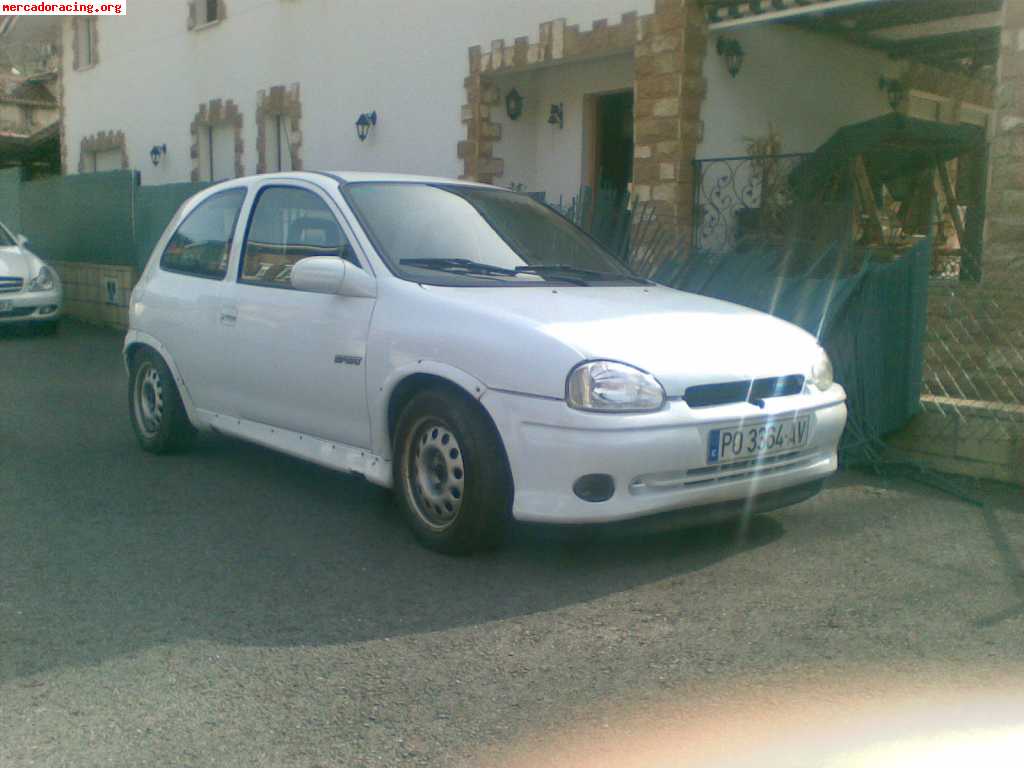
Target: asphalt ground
235	607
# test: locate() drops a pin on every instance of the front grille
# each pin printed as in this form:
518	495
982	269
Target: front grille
10	284
751	390
18	312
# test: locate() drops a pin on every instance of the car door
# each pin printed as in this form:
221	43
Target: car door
183	302
297	358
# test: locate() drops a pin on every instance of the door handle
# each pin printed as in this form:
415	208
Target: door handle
228	315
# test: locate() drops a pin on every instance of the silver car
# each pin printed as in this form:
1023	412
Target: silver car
30	290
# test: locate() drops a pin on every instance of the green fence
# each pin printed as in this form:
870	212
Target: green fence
10	198
96	218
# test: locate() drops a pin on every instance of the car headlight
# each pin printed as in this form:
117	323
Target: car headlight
44	281
603	385
822	375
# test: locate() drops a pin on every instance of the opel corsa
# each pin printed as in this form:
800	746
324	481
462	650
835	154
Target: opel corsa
470	348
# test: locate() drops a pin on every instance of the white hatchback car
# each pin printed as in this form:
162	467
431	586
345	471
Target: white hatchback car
472	349
30	291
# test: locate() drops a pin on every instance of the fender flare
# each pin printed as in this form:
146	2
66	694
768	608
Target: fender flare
139	338
381	398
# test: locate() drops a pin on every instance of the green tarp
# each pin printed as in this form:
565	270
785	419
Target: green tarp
870	318
893	146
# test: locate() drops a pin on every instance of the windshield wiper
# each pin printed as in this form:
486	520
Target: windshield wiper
565	273
561	269
470	267
459	265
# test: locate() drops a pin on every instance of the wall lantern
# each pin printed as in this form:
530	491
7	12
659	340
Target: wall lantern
513	104
894	89
557	116
733	52
366	121
157	152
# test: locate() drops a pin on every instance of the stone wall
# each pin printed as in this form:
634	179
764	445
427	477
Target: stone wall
217	112
286	102
104	141
670	89
86	291
668	47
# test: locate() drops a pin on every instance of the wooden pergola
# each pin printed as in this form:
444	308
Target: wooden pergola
962	36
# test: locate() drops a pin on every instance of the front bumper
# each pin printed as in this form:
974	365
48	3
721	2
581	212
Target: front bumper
30	307
657	460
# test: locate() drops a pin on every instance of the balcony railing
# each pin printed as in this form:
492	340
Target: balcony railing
736	198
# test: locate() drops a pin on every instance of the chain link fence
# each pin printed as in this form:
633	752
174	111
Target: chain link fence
972	399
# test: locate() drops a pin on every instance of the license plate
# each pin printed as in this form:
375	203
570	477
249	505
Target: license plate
6	306
741	442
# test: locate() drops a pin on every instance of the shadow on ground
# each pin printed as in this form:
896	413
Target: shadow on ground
107	550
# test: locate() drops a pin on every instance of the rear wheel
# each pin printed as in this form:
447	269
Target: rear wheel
451	473
158	416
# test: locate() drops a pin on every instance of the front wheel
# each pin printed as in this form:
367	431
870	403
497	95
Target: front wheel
451	473
157	413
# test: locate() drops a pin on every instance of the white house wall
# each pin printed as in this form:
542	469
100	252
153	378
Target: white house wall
541	156
804	84
404	59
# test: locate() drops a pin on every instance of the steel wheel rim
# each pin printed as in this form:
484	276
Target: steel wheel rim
435	474
149	400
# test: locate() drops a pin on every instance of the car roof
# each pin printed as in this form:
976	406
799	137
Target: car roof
354	176
347	177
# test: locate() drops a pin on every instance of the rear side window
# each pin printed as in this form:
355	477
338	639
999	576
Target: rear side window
202	243
288	224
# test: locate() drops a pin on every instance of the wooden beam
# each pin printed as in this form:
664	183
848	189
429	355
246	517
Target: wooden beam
951	202
867	197
937	28
792	10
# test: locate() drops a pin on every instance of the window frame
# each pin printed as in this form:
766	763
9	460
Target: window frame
84	31
200	13
339	218
231	243
281	144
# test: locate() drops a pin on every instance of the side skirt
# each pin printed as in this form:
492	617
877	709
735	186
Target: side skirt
338	456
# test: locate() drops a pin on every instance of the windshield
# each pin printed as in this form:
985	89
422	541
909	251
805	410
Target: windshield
461	235
6	238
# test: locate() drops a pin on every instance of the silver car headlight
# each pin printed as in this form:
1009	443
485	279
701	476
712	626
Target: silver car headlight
822	375
603	385
44	281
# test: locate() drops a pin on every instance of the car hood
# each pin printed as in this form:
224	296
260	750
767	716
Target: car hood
681	338
14	262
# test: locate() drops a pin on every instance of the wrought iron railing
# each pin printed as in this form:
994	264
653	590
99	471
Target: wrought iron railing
740	197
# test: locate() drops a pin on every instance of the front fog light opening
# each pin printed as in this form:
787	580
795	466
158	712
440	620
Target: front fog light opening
594	488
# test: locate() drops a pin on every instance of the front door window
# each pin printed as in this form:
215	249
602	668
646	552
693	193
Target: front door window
287	224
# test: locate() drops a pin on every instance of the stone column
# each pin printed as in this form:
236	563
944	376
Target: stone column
1003	260
670	89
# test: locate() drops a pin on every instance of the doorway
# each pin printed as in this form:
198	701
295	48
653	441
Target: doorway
610	142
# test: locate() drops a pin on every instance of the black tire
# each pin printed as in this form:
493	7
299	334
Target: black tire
465	505
49	328
158	417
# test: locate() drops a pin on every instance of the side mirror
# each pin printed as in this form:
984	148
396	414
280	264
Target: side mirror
329	274
21	240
